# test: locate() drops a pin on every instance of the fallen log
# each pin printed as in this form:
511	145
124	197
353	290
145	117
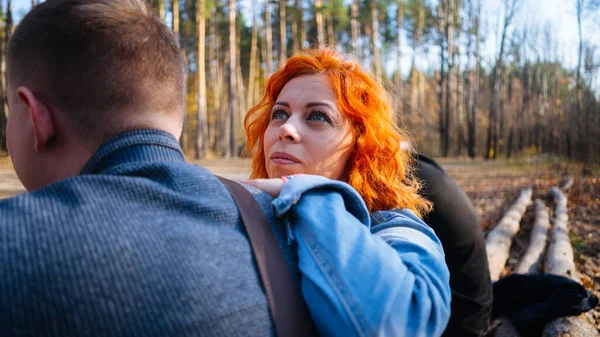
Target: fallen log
499	239
531	262
565	183
560	261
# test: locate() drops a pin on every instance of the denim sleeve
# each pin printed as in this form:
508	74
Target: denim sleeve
390	280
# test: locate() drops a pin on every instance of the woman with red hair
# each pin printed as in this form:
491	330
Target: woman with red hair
369	265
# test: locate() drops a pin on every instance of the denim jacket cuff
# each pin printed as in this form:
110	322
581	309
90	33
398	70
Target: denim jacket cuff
293	189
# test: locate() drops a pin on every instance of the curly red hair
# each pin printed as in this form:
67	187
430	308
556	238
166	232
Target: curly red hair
376	168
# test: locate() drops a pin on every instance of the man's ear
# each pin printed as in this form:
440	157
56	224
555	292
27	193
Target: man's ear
41	118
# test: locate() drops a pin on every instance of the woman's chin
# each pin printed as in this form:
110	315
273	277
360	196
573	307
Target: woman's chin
283	172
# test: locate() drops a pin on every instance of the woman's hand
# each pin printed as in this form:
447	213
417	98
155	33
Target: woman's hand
270	186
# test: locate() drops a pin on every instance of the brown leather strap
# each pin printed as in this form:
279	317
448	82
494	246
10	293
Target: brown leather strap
288	310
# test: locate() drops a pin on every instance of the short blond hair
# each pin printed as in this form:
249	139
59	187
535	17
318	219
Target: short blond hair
96	59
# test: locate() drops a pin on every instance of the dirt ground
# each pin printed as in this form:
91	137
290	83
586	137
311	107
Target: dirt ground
493	187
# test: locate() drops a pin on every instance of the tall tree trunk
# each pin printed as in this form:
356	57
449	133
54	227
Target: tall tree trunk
375	39
161	9
450	74
269	37
185	48
300	9
460	112
330	28
231	150
354	24
399	22
509	145
419	52
175	28
241	106
580	130
201	145
296	44
220	143
253	62
473	108
3	103
501	113
175	24
213	64
263	55
7	34
523	108
320	27
510	7
8	25
282	33
34	3
442	114
468	73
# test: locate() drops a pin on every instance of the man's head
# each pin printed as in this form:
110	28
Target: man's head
82	71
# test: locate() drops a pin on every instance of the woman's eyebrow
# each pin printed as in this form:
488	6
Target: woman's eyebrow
285	104
313	104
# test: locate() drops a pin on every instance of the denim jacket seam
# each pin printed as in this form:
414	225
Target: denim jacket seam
351	308
377	218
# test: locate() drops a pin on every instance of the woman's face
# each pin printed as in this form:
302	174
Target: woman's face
307	132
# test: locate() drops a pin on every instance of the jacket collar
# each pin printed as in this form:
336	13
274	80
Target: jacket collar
146	145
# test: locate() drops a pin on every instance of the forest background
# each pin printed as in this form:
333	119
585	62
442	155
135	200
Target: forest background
476	78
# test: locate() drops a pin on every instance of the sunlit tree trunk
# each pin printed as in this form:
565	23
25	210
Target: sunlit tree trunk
220	143
213	64
330	28
282	33
253	61
300	9
161	9
320	27
399	23
354	24
269	37
231	150
34	3
375	41
175	23
185	48
296	43
241	102
201	145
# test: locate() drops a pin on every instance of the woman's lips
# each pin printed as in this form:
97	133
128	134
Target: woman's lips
283	159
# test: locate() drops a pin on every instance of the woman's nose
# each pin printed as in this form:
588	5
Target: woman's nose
289	133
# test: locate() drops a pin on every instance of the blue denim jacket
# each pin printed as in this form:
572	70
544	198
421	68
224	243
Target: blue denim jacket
143	244
359	279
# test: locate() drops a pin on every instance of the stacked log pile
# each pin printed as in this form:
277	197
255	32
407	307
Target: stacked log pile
558	258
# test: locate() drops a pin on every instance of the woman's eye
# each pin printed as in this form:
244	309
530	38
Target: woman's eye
279	114
319	116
